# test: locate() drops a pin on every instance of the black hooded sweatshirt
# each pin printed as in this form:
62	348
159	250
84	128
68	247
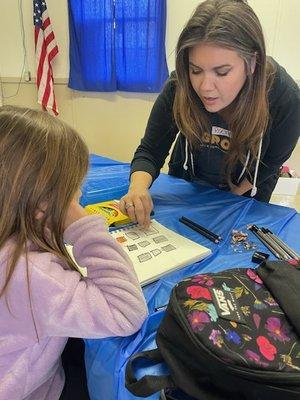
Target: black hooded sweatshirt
207	163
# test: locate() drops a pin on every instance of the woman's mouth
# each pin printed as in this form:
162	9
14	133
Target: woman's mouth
210	100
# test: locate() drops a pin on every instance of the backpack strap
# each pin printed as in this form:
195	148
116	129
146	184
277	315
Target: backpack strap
283	281
148	384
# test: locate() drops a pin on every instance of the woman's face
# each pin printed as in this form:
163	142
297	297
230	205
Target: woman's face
217	75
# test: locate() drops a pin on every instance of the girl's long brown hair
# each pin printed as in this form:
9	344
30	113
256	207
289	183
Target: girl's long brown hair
234	25
42	164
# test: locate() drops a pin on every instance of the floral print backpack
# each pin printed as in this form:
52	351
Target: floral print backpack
234	334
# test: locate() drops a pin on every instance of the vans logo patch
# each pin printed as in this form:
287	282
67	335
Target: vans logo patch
226	305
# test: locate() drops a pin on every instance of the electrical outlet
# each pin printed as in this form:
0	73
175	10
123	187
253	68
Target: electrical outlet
27	76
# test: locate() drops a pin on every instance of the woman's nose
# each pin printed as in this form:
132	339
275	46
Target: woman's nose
207	83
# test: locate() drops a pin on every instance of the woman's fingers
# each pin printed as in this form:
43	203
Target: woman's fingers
138	207
141	211
130	210
148	206
122	205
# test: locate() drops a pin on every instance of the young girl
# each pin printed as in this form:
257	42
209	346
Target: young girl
236	111
43	298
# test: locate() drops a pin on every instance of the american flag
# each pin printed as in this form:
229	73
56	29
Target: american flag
45	50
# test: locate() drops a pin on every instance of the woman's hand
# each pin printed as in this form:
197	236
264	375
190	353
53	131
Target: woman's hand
137	204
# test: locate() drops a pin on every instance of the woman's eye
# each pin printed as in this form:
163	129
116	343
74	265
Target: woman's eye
222	73
195	72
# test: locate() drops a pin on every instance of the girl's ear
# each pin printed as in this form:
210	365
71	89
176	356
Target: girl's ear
253	63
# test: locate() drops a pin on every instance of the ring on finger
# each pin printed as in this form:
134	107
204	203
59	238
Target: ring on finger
129	205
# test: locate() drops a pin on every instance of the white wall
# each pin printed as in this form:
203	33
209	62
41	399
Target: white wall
280	20
113	123
11	38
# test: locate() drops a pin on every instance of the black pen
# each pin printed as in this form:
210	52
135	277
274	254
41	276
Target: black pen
202	228
197	229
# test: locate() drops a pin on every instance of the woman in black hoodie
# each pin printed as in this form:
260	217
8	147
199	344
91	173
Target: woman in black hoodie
234	111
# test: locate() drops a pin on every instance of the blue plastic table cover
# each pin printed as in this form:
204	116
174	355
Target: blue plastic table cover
219	211
106	180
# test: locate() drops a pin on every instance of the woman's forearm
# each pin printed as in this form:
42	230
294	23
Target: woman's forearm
140	180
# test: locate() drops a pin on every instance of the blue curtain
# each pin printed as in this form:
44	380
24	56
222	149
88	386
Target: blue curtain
140	45
91	26
117	45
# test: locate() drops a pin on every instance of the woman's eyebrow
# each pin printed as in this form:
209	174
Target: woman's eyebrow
218	67
194	65
223	66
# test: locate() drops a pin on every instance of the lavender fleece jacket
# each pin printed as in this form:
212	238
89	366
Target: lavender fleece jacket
34	329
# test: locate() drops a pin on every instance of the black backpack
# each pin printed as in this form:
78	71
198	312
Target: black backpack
234	334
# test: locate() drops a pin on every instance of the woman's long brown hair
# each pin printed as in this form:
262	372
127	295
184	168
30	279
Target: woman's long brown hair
234	25
42	164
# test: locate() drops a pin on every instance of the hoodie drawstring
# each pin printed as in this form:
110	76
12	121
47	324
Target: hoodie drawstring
245	166
186	158
185	164
254	188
